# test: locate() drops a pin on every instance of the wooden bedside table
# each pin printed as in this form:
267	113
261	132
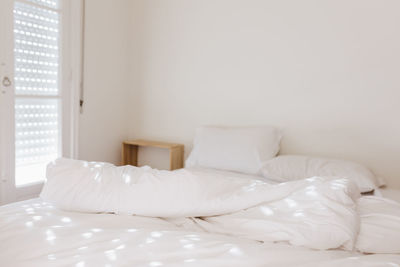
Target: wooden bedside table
130	152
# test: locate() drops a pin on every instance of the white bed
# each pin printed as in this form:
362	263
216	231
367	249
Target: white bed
35	233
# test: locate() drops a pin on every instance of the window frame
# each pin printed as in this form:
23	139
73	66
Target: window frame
71	77
71	58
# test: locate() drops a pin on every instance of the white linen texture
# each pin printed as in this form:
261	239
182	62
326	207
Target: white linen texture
380	225
318	213
35	233
241	149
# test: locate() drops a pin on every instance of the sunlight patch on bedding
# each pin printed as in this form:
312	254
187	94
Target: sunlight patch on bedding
236	251
51	257
149	240
98	177
87	235
267	211
30	211
189	246
37	218
127	178
298	214
311	187
338	184
110	254
66	220
193	237
50	236
156	234
291	203
120	247
253	186
311	190
312	179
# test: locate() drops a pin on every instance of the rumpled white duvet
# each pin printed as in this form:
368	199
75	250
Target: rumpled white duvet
211	214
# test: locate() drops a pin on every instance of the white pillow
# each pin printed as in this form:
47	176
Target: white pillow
241	149
289	168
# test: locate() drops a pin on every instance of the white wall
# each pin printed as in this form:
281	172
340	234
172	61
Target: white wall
103	124
327	72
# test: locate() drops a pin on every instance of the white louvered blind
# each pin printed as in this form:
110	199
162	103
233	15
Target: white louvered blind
37	27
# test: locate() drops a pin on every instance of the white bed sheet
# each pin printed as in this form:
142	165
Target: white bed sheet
389	193
34	233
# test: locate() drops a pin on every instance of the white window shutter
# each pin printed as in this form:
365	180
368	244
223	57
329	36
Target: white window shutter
37	27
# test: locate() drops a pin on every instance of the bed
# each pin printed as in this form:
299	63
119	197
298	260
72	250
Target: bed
97	214
35	233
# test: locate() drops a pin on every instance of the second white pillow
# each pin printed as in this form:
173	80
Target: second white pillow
292	167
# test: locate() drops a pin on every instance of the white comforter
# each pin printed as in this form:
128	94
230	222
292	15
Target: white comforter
209	220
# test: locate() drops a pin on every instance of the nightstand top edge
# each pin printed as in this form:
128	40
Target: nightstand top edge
150	143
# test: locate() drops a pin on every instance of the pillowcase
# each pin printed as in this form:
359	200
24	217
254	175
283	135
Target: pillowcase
241	149
290	167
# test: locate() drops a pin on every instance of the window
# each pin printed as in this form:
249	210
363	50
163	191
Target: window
41	97
40	70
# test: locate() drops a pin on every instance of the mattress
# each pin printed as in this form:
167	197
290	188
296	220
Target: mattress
35	233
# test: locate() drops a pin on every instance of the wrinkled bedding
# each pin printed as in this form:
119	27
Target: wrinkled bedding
85	218
35	233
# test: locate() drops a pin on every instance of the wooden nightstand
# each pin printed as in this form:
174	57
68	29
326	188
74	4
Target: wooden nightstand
130	152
